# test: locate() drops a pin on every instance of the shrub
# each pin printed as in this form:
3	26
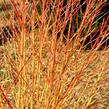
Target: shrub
46	66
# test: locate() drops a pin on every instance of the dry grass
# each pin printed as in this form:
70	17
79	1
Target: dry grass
43	68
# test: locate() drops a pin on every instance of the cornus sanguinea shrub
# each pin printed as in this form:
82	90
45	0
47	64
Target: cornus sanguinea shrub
54	54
